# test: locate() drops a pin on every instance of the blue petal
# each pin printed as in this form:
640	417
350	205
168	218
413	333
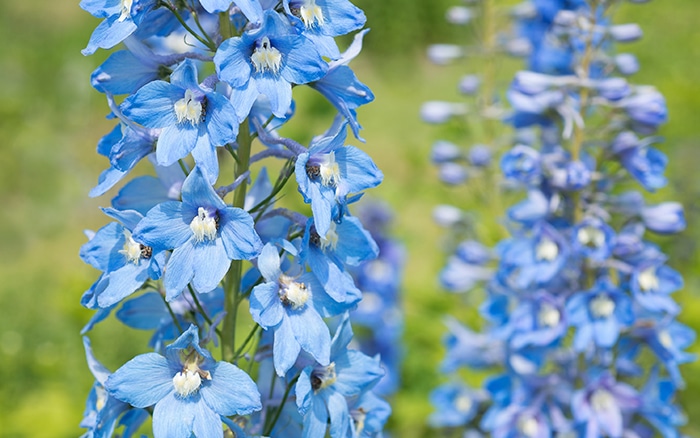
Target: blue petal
142	381
163	227
238	234
204	154
340	416
122	73
141	194
243	98
358	170
221	120
185	75
265	306
108	178
311	333
98	370
198	192
231	391
210	265
144	312
108	34
174	417
285	349
153	106
233	63
175	142
179	271
315	421
123	282
278	92
269	262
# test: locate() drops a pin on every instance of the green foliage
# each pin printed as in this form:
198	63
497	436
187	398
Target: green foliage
50	121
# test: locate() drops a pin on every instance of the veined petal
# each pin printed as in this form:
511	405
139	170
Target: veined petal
285	348
278	92
311	333
221	120
232	64
198	192
173	417
163	227
265	306
238	234
123	282
153	105
179	270
210	265
175	142
230	391
204	154
142	381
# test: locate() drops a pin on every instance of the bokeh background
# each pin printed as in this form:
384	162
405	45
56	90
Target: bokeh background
51	120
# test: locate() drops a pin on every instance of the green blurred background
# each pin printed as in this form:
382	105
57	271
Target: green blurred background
51	120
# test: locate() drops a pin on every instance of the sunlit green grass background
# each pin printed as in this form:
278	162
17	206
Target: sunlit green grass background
51	119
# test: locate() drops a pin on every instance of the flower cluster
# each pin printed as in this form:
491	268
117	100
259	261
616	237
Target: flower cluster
192	244
580	325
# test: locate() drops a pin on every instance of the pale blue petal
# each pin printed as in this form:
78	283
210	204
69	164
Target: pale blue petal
315	420
143	312
278	92
173	417
285	349
265	306
243	97
204	154
142	381
122	73
210	265
230	391
232	64
153	106
197	191
179	271
163	227
340	416
175	142
238	235
311	333
123	282
221	120
108	34
269	262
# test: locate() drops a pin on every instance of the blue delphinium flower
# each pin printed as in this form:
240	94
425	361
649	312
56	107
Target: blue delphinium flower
321	391
292	307
321	20
126	263
193	118
188	389
204	233
121	19
268	60
329	173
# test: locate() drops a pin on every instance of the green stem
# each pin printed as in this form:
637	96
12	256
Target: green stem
271	424
175	12
247	340
232	284
172	314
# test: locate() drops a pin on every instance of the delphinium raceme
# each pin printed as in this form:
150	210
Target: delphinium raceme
580	327
199	89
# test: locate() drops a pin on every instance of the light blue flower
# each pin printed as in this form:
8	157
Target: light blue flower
193	118
266	61
188	389
204	233
121	19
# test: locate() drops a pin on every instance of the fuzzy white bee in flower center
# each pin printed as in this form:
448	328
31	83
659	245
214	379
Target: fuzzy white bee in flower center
647	279
293	293
311	14
330	240
266	58
132	250
323	378
125	6
546	249
189	108
204	226
329	170
601	306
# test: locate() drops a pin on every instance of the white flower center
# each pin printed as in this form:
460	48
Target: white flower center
203	226
602	400
329	170
330	240
125	9
187	382
132	250
311	14
591	236
528	426
665	339
546	249
548	316
324	378
293	293
188	108
266	58
463	403
601	306
647	279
